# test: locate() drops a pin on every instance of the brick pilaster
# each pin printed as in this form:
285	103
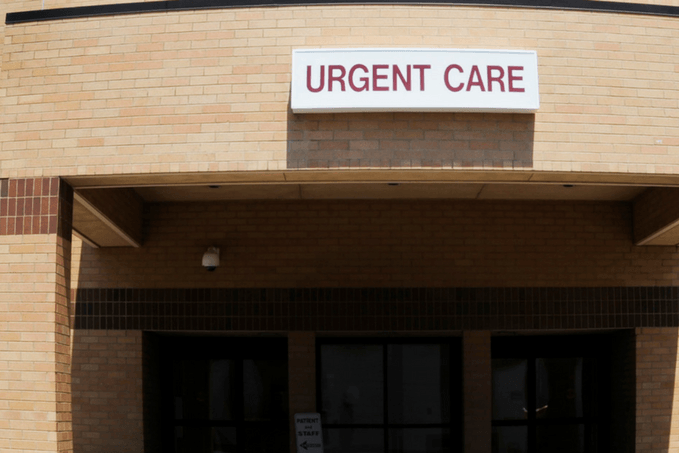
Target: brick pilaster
657	429
107	391
35	358
302	376
477	391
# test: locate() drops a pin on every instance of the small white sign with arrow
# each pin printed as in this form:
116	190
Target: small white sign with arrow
309	433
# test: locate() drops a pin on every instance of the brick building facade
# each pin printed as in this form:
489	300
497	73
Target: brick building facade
398	272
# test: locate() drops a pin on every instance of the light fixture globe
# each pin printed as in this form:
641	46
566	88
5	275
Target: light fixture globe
211	259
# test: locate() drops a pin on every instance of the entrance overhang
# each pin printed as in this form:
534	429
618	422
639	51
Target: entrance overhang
108	210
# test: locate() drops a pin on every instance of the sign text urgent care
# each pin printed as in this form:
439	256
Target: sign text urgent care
415	80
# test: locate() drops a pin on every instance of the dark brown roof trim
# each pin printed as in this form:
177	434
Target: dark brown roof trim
180	5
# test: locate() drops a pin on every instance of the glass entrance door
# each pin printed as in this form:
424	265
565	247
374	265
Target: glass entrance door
548	396
390	395
225	395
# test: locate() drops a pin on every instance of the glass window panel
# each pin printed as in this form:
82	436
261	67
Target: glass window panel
510	439
351	383
221	389
265	438
224	440
419	383
560	439
191	399
559	387
430	440
192	439
208	391
343	440
265	390
509	389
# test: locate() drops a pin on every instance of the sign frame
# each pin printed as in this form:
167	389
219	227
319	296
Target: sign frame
414	80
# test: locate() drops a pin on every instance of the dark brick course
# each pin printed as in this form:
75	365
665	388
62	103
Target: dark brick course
376	309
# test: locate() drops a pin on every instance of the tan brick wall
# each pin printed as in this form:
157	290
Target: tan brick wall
107	391
383	243
657	395
209	91
9	6
35	401
477	391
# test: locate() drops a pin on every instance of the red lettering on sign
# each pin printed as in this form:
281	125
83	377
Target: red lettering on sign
446	77
340	78
365	80
422	67
497	78
308	80
513	78
398	75
377	77
475	74
386	77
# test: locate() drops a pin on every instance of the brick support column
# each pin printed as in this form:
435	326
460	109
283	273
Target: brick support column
477	391
107	391
35	357
657	430
302	376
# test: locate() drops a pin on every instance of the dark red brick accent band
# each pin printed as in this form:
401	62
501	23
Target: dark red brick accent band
376	309
31	206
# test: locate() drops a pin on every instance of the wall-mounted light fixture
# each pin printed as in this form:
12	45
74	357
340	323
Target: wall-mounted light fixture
211	258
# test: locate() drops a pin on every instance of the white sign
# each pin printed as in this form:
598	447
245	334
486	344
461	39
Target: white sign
308	432
415	80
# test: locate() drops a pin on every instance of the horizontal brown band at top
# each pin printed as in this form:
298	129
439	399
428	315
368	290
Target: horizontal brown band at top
372	294
375	309
181	5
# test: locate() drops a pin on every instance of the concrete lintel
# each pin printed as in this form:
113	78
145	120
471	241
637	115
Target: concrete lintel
113	216
656	217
